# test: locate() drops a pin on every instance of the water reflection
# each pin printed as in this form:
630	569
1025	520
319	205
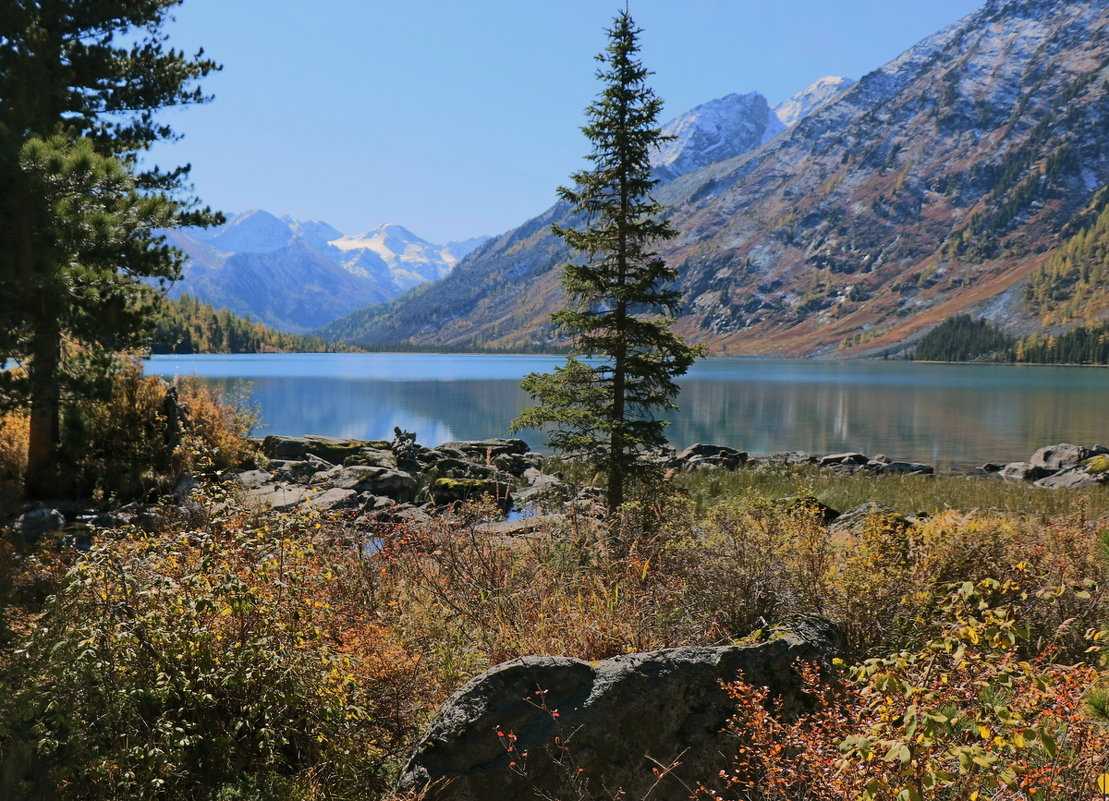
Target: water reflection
953	416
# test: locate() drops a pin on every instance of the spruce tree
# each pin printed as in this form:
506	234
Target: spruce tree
80	84
604	409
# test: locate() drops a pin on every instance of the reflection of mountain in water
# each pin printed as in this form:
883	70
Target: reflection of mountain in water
437	411
953	417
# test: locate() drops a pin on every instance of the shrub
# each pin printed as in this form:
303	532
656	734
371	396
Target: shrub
143	434
206	665
963	717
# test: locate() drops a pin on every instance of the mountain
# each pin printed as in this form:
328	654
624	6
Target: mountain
296	275
714	131
965	176
792	111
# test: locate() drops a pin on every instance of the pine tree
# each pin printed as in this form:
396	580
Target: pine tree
619	298
80	83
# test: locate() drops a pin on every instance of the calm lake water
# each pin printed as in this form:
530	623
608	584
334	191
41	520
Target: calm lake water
953	416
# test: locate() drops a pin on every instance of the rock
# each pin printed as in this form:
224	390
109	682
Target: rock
843	458
279	495
481	449
589	729
790	458
372	457
542	487
901	467
855	518
810	505
515	464
275	446
990	467
301	471
333	498
1075	478
445	491
33	523
700	455
1022	471
251	479
331	449
1061	457
394	484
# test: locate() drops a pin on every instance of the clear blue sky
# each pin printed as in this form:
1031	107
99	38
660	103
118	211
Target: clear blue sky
460	117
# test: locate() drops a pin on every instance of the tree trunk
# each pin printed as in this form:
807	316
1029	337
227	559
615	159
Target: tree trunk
42	451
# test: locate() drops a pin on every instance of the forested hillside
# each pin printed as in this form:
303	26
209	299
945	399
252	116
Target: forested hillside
186	325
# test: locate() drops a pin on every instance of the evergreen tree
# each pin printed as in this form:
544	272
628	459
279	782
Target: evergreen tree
80	82
619	297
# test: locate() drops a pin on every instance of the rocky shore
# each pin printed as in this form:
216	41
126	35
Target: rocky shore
390	481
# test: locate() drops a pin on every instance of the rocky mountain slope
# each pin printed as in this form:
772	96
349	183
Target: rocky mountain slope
792	111
295	275
938	184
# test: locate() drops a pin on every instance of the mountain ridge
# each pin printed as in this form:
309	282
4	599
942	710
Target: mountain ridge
935	185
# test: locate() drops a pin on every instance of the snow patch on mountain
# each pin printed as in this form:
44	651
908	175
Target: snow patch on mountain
713	131
816	94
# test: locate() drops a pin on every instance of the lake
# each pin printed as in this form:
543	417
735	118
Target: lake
954	416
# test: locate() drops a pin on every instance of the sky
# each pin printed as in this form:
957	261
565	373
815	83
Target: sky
460	118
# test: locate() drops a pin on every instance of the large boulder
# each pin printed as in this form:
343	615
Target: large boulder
399	486
555	727
1063	456
483	449
699	456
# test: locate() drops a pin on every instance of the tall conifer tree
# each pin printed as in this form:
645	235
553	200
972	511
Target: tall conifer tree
80	84
620	296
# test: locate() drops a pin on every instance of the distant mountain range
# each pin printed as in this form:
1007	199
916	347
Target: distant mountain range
968	175
296	276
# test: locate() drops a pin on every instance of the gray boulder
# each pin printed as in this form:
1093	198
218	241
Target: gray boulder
33	523
789	458
1022	471
855	519
401	487
700	455
555	727
848	458
482	448
1063	456
892	467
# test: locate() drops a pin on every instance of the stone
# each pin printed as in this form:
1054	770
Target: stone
331	449
857	517
281	496
809	504
33	523
333	498
394	484
1022	471
790	458
481	449
1062	456
990	467
701	455
901	467
590	728
849	457
251	479
1075	478
445	491
372	457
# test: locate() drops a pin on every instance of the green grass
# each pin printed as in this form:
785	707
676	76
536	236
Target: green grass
907	495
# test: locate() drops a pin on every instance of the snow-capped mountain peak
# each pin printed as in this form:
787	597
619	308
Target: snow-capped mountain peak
791	111
713	131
